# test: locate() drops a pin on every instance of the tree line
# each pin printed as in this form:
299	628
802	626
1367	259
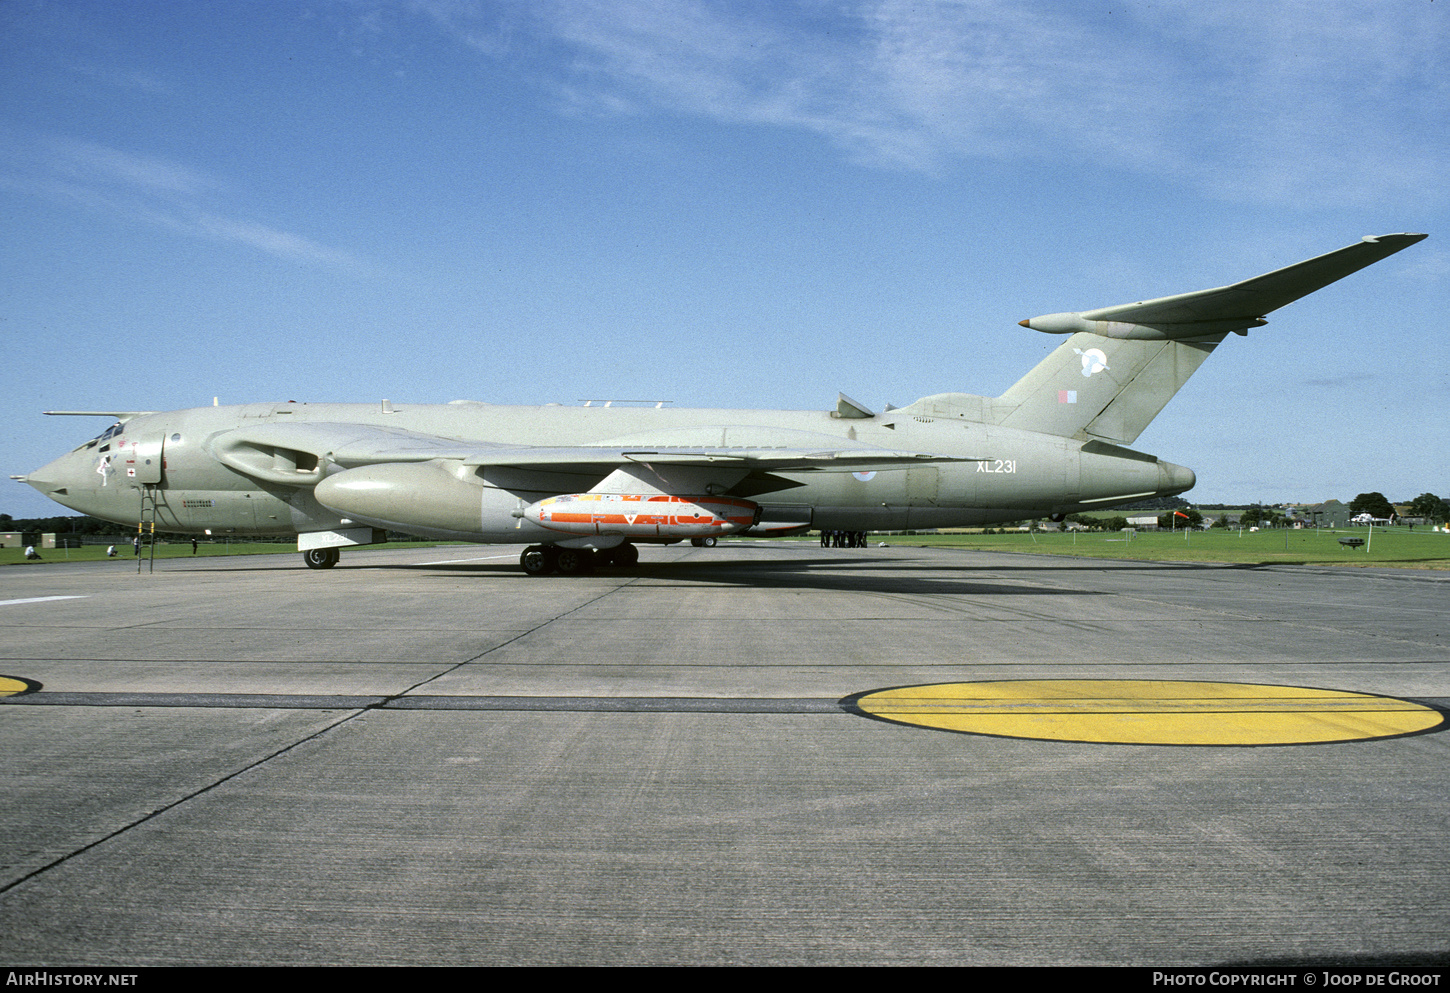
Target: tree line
71	524
1427	505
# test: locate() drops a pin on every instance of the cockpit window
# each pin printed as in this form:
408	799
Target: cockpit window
105	435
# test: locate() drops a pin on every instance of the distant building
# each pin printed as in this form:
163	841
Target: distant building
1403	515
21	539
1329	514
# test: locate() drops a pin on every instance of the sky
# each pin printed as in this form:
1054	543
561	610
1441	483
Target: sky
731	204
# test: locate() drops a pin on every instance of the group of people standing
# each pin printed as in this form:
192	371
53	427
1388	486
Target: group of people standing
843	539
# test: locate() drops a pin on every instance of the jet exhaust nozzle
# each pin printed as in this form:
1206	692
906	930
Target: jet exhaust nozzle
427	495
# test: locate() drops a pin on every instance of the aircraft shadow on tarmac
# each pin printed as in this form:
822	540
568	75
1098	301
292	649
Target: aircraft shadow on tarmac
857	572
836	574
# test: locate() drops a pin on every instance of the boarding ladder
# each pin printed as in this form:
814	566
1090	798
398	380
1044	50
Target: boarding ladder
146	525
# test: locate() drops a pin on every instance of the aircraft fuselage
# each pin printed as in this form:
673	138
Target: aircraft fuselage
1020	475
588	481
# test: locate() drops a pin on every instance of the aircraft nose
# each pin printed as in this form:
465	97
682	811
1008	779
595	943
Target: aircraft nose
45	479
55	479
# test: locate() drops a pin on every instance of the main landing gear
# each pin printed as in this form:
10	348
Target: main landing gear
540	560
706	542
321	558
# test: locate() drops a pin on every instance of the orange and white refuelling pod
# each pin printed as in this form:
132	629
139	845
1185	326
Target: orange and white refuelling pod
643	515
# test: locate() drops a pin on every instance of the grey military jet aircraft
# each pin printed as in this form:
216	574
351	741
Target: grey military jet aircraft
584	485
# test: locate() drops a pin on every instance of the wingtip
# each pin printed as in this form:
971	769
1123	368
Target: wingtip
1409	237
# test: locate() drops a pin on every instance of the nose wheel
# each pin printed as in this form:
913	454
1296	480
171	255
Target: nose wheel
321	558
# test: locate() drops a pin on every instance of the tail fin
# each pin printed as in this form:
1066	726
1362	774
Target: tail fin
1123	364
1096	387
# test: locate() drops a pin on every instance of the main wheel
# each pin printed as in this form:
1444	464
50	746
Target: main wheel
703	542
572	561
538	560
321	558
624	556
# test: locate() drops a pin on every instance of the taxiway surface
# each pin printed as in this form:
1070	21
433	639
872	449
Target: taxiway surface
424	756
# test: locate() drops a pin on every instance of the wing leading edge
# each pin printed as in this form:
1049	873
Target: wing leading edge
269	452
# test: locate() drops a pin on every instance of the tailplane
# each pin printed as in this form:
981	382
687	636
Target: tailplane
1123	364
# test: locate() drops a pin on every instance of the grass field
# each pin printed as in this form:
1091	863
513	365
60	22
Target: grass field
1394	547
1391	547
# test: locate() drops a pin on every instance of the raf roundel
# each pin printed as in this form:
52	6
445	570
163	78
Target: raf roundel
1093	361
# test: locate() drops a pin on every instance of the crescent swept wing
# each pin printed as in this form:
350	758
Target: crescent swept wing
271	451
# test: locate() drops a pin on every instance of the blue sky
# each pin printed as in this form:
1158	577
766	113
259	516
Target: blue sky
723	204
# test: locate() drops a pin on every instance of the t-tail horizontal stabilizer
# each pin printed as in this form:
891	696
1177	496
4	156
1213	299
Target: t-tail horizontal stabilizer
1124	363
1236	307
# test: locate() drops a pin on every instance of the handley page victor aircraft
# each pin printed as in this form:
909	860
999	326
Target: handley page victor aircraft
585	484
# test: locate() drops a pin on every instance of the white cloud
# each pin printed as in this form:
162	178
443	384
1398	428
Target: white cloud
1344	102
91	163
282	244
158	192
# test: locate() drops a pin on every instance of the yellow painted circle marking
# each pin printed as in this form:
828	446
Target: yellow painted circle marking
1150	712
10	686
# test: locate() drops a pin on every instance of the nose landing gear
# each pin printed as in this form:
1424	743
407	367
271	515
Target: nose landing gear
321	558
